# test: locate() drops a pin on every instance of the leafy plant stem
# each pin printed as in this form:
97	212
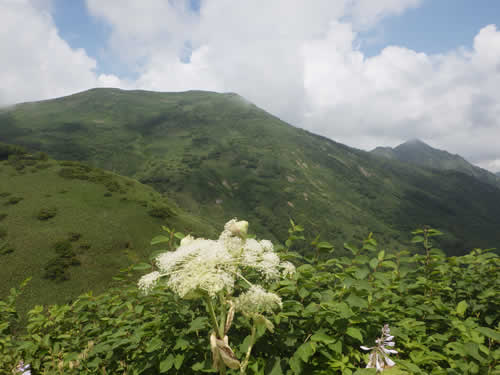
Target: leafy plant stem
253	337
222	315
211	313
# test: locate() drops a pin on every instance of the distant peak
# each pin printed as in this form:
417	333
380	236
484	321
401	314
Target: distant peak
415	141
414	144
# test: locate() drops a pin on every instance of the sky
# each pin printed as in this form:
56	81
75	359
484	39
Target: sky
362	72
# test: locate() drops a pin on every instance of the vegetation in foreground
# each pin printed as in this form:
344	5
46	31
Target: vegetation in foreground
442	311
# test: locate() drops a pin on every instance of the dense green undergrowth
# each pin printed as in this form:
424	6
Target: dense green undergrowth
443	312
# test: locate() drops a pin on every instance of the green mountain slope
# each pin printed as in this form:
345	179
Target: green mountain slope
219	156
417	152
63	221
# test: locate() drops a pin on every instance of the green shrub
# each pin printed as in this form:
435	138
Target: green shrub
3	233
42	165
6	248
74	173
108	194
85	246
62	247
443	313
4	194
55	270
112	186
74	236
19	161
2	216
14	200
7	150
41	156
46	213
161	211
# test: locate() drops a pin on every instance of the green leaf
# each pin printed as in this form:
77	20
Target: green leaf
417	239
179	235
351	248
160	239
366	371
296	365
276	370
197	324
322	337
361	273
461	307
305	351
325	245
355	333
139	308
167	363
472	349
336	347
181	343
344	310
395	371
179	358
198	366
142	267
303	293
355	301
495	335
154	345
389	263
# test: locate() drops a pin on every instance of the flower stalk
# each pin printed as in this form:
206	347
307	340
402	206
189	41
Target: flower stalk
210	270
379	356
253	336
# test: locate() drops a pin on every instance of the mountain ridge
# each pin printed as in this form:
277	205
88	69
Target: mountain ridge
219	156
417	152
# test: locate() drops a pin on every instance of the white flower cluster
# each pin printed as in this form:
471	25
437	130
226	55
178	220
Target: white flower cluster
257	301
379	357
147	282
201	265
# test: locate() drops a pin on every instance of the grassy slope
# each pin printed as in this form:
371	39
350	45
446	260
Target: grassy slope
118	228
219	156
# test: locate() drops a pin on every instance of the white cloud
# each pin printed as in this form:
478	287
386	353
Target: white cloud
450	99
36	63
298	59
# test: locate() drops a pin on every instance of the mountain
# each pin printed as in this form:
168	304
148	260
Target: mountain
219	156
498	174
417	152
64	221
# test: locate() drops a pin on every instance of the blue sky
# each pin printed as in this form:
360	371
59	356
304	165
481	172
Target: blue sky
365	73
437	25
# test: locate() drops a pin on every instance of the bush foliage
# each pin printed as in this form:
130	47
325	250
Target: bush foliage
46	213
443	312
